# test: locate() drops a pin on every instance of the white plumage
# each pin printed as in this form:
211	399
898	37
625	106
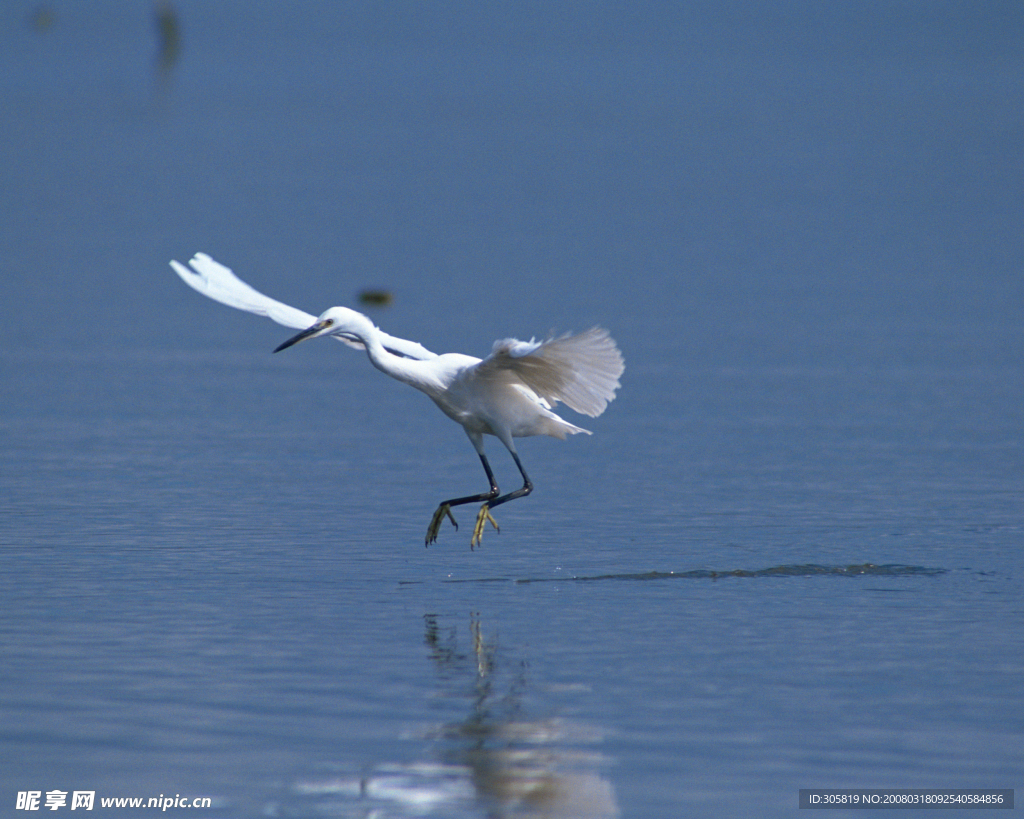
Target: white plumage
509	394
219	283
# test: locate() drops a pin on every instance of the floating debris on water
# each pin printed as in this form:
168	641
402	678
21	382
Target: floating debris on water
376	298
168	30
41	19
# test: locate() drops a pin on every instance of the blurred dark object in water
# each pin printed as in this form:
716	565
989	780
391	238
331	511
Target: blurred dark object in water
168	30
376	298
41	19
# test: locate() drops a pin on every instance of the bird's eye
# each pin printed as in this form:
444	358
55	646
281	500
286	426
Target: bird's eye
328	322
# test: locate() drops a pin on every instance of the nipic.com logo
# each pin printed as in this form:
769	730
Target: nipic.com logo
86	800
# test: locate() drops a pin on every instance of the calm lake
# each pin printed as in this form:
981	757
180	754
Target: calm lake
788	557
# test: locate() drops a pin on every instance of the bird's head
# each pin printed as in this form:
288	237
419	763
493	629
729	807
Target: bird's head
337	321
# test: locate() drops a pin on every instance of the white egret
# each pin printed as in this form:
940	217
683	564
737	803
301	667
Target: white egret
509	394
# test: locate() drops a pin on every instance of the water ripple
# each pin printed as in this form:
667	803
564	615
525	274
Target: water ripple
788	570
797	570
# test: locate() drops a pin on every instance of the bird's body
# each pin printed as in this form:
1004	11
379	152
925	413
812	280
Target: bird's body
509	394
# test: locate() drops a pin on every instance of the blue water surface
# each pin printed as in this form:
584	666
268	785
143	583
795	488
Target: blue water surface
789	556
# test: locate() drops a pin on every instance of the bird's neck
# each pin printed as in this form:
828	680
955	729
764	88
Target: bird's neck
418	374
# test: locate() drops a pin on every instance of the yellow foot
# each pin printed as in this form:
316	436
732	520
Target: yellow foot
478	530
435	522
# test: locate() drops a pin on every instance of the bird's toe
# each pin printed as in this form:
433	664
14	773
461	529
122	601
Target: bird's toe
434	529
481	520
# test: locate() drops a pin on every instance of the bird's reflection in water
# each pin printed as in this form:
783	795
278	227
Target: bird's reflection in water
519	767
496	761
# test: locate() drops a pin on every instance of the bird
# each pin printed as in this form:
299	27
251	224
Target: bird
511	393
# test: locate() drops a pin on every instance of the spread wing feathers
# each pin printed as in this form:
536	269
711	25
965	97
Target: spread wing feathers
219	283
582	371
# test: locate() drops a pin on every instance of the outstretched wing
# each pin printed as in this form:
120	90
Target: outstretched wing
217	282
582	370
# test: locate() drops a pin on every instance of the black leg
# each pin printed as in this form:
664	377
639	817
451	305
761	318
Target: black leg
484	516
483	495
526	489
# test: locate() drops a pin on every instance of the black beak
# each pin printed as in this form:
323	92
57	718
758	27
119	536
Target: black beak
307	333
